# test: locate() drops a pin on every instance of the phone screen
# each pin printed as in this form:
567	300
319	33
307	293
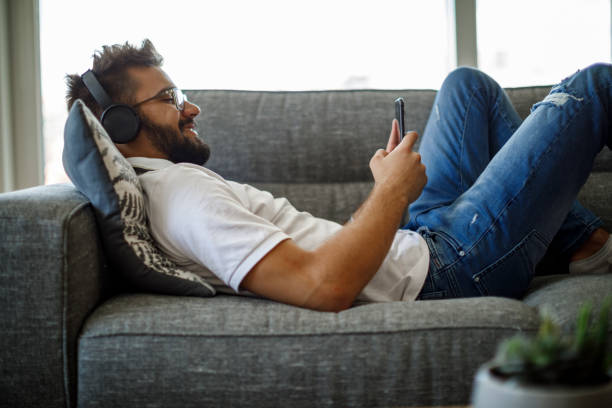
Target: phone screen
400	115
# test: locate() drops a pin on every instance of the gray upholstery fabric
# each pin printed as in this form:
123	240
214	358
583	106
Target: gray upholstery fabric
307	145
563	295
231	351
50	280
595	194
310	137
301	137
332	201
160	351
269	354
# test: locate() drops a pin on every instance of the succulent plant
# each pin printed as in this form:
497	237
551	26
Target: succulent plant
552	357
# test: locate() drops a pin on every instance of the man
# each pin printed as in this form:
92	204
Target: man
498	195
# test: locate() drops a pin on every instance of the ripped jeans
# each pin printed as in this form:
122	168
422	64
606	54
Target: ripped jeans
501	193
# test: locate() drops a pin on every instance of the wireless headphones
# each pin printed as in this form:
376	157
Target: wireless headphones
120	121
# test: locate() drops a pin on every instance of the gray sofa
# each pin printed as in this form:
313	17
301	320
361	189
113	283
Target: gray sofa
74	335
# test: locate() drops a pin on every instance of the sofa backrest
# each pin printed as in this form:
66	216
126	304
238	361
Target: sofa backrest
314	147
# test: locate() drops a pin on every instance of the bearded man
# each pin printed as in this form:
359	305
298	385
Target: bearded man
479	222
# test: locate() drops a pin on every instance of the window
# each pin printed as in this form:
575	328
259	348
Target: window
526	42
319	44
259	45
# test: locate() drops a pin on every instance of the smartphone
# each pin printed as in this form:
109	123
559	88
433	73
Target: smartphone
400	115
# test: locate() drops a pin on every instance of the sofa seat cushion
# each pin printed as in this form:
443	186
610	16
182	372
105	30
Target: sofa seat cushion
183	351
562	295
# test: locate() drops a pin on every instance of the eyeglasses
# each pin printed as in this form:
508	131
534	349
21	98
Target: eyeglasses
173	94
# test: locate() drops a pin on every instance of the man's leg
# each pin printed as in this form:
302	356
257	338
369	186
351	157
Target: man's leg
472	118
580	235
523	192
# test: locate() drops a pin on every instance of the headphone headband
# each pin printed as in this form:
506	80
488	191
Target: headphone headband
96	90
120	121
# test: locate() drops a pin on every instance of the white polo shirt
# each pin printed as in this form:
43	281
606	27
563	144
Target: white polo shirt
220	229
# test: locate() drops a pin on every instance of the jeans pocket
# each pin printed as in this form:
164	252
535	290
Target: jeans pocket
511	274
436	295
446	247
430	290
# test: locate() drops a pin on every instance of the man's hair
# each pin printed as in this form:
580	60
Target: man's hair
110	67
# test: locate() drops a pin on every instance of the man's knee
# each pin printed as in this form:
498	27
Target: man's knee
470	77
465	74
600	72
596	75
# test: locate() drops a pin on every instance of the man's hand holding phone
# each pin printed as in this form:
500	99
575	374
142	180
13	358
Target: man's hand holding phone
398	167
394	136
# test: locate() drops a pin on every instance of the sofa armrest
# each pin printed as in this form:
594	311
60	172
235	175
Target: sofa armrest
51	277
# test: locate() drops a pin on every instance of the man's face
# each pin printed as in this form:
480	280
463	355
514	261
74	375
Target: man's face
170	132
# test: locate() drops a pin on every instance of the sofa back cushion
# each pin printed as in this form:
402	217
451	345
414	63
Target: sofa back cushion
314	147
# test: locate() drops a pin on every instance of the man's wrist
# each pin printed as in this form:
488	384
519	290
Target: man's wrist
391	195
387	196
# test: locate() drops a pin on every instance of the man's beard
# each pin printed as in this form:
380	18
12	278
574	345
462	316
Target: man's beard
174	144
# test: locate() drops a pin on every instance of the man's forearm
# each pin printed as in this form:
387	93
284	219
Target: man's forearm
348	261
331	277
356	213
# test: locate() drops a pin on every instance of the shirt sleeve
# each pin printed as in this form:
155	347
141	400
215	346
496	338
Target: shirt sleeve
200	217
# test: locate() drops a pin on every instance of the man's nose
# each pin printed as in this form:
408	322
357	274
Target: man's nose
191	110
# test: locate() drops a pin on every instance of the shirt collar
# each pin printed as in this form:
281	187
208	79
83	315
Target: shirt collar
149	163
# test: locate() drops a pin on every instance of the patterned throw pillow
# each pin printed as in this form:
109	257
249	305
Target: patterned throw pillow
107	179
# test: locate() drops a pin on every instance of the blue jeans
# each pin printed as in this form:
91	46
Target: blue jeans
501	193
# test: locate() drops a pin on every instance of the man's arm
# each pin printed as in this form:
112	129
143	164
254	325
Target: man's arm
331	277
394	140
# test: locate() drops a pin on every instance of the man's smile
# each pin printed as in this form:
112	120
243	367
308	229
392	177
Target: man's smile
190	126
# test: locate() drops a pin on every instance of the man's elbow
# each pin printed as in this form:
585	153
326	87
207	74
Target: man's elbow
339	300
330	298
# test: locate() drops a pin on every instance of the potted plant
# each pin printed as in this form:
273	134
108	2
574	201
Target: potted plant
550	369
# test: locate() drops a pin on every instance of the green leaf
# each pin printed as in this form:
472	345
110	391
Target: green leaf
551	357
582	325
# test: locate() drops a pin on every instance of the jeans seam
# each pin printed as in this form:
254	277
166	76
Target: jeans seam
435	256
607	81
447	271
597	222
528	178
473	91
453	244
502	113
452	280
483	272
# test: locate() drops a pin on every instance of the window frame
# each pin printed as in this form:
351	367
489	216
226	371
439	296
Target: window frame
21	155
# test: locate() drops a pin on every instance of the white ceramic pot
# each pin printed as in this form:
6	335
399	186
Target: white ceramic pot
492	392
